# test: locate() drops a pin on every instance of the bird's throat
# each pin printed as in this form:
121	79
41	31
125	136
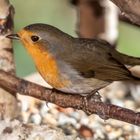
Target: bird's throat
47	67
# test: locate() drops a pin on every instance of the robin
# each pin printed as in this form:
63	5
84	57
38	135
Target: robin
74	65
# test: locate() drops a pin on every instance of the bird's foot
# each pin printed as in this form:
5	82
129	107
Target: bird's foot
95	97
85	106
47	102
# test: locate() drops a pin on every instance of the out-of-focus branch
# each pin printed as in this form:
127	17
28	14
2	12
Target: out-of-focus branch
105	111
6	27
129	9
93	19
8	103
90	18
126	20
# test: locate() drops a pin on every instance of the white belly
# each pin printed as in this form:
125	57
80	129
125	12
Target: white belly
79	84
85	86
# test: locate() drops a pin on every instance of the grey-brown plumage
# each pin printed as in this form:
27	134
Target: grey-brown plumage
88	64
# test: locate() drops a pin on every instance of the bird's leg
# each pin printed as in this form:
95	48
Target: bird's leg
85	106
93	96
96	97
53	90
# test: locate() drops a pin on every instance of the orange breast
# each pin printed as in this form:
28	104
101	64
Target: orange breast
45	63
48	68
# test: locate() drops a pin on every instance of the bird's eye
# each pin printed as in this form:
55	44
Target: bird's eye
34	38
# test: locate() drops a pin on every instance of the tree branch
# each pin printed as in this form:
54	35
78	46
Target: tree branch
8	103
93	19
94	13
130	9
105	111
128	16
6	27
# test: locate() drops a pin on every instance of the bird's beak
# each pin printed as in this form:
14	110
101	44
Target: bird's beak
13	36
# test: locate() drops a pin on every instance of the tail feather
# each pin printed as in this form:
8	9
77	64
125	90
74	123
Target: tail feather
133	79
136	78
125	59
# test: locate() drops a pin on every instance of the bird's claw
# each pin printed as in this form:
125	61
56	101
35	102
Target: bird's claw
95	97
50	96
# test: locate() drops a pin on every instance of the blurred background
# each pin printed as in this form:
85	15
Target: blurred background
61	14
79	18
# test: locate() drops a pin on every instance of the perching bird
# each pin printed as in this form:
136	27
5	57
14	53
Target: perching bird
74	65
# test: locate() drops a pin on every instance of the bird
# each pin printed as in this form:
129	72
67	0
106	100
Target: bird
74	65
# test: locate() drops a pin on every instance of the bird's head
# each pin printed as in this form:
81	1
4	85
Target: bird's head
40	37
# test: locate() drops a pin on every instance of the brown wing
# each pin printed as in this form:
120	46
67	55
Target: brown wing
93	58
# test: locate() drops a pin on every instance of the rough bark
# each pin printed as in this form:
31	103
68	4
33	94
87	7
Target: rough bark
105	111
129	9
8	103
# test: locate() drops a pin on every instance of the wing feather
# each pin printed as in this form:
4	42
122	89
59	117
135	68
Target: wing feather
93	59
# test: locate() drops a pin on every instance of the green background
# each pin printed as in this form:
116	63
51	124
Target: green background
60	14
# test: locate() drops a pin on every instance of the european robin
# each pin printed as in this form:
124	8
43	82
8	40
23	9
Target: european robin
74	65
